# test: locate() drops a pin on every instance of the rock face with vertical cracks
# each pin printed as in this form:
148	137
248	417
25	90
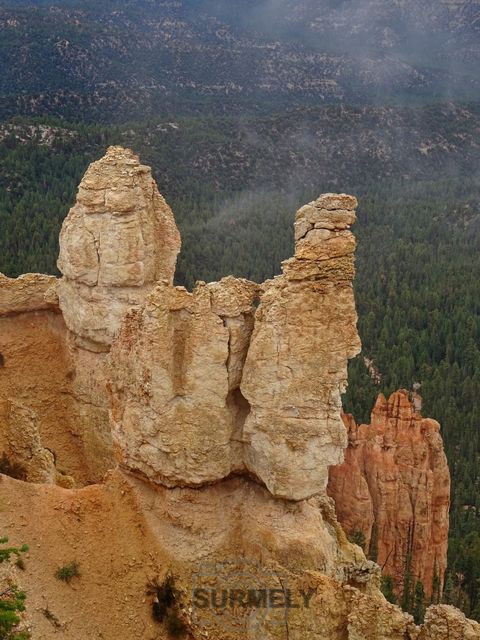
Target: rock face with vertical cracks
118	240
296	368
205	384
394	488
175	372
23	454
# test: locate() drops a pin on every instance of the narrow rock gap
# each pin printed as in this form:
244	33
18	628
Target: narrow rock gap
181	321
236	402
240	408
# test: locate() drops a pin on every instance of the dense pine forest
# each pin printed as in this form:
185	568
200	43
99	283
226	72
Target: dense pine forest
234	196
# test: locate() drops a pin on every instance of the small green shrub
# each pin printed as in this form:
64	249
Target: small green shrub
68	572
387	587
12	600
6	552
357	537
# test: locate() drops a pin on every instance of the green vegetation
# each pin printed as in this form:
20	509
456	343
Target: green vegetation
387	587
12	599
357	537
37	184
418	609
20	563
68	572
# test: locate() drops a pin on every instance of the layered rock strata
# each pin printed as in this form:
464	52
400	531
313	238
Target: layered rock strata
118	240
394	489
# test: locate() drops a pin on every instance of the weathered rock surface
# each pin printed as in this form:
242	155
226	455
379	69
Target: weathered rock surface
20	444
175	373
394	488
293	378
443	621
196	395
117	243
118	240
30	292
21	447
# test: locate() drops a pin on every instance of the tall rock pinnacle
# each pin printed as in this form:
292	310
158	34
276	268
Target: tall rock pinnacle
296	368
394	488
117	241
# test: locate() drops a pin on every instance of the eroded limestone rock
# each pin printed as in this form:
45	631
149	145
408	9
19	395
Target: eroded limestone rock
296	368
394	488
118	240
175	372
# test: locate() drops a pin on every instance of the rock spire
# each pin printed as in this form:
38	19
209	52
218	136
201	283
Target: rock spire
117	242
394	488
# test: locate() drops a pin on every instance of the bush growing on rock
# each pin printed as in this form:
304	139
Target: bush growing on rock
68	572
165	606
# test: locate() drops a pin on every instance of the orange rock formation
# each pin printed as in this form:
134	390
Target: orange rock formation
394	488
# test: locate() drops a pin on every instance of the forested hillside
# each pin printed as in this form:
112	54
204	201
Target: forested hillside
120	60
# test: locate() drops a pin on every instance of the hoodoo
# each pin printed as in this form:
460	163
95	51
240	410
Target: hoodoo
394	489
118	240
